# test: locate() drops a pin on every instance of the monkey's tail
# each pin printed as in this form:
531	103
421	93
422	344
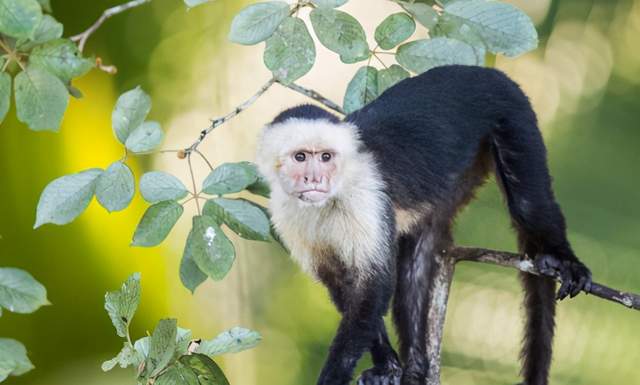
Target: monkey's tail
521	170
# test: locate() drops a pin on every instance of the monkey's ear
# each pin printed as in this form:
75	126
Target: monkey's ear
305	111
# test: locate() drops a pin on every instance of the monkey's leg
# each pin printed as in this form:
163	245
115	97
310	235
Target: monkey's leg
386	365
365	300
410	306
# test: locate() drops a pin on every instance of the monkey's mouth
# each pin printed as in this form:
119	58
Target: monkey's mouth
312	195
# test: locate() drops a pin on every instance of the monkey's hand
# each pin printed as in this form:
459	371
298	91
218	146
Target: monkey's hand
575	276
388	374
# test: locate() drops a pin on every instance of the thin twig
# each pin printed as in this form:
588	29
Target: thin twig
315	96
523	263
205	159
220	121
193	181
380	60
82	37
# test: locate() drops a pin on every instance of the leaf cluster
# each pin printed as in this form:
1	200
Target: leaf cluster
170	355
37	65
459	32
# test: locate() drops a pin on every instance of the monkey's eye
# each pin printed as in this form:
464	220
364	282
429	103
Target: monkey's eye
326	157
300	157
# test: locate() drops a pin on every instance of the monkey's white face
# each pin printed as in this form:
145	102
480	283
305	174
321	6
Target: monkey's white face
310	174
309	161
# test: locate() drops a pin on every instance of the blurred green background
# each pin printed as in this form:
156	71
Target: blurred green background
584	81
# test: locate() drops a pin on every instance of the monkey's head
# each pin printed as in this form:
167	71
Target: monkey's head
304	154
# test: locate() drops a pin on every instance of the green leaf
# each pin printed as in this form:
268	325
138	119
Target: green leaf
20	292
362	89
66	197
183	340
195	3
161	346
157	186
329	3
230	178
258	22
503	27
62	58
156	223
394	30
128	356
5	94
355	59
211	249
121	305
41	99
146	137
48	29
13	359
260	187
207	371
142	346
130	111
115	187
290	52
389	77
231	341
423	13
46	5
421	55
190	274
452	27
242	217
19	18
178	374
339	32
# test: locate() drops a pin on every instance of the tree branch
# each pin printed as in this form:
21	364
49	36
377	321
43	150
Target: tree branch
222	120
81	38
315	96
522	263
247	103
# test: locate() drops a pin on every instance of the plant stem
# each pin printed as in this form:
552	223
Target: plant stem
193	181
82	37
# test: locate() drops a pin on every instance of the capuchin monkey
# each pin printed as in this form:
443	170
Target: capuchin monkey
364	202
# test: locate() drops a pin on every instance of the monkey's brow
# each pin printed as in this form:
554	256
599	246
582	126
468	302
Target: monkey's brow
312	151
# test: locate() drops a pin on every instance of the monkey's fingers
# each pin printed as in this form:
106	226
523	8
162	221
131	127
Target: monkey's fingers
567	284
579	286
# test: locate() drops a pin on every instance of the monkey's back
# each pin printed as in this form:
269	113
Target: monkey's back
436	125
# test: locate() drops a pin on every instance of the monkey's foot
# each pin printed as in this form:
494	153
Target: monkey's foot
575	276
387	375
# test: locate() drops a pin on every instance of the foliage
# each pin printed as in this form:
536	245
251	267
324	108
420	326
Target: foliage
169	355
460	32
19	293
42	63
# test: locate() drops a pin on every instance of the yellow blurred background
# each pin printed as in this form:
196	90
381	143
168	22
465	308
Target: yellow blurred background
584	81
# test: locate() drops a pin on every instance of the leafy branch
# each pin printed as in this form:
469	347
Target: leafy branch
169	355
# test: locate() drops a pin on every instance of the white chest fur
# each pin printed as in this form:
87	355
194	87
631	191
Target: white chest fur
351	227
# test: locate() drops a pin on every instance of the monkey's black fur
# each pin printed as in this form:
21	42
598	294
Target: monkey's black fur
435	137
